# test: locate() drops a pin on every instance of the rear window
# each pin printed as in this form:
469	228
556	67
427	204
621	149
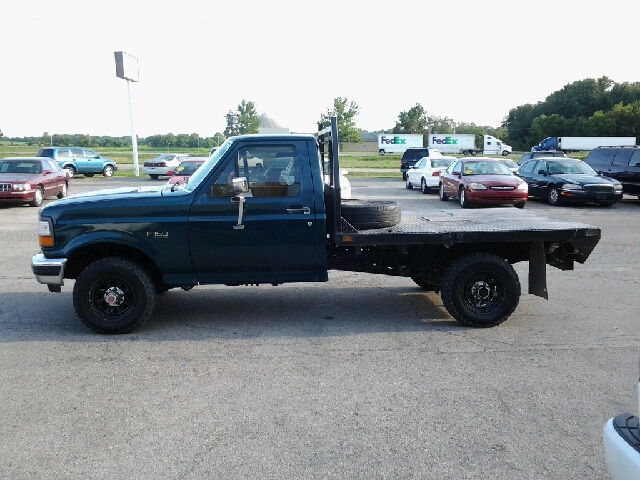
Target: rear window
415	153
622	157
45	152
600	156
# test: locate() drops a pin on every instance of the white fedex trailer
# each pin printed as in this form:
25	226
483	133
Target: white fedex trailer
398	142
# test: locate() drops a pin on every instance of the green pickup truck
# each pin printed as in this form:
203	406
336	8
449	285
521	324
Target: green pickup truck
268	209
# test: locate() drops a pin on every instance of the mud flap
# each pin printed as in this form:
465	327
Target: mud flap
538	270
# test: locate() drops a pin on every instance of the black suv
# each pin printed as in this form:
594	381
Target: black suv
621	163
411	156
540	153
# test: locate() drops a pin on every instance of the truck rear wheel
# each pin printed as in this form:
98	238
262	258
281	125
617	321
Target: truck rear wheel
113	295
373	214
480	290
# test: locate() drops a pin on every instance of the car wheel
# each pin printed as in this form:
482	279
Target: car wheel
462	196
88	174
38	196
63	193
154	177
473	153
404	175
505	153
408	184
108	171
480	290
443	196
553	196
423	186
519	205
113	295
381	152
70	171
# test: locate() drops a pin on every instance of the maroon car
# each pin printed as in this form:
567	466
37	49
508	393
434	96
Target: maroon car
30	180
482	180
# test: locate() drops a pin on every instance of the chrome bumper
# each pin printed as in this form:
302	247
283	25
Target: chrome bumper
49	271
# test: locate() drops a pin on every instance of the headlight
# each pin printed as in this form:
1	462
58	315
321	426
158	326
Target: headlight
571	186
21	187
617	188
477	186
45	233
524	187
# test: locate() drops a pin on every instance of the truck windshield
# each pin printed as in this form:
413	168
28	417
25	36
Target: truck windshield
203	171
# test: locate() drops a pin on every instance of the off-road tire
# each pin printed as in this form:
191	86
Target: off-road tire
120	281
480	290
365	215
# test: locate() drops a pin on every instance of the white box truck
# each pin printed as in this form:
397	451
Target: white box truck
576	144
398	142
465	143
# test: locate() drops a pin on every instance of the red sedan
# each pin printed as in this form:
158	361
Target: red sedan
186	168
30	180
482	180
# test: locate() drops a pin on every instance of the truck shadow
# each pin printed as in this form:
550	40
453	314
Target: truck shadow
219	312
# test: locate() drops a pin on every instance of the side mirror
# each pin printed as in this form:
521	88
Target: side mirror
240	185
456	173
47	172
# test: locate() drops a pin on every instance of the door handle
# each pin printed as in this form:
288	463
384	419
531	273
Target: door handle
304	210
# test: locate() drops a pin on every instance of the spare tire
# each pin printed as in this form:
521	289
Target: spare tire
364	215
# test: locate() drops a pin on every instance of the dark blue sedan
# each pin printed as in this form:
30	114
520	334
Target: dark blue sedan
560	180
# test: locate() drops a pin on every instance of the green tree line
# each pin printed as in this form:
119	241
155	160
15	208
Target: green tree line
590	107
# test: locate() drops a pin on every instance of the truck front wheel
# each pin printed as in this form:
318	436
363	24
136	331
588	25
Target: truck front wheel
480	290
113	295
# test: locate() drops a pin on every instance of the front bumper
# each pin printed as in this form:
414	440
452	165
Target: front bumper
17	197
48	271
621	438
583	196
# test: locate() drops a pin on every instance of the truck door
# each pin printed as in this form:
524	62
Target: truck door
278	238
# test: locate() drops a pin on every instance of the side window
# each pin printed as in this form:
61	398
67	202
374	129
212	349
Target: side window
90	153
456	167
271	170
77	152
634	161
540	165
622	157
600	156
527	168
53	165
64	152
420	164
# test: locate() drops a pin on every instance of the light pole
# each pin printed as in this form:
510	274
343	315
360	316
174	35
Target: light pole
127	69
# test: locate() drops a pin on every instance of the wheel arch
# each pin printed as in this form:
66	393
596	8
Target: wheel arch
89	253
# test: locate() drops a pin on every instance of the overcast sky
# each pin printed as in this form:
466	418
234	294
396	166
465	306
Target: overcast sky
469	60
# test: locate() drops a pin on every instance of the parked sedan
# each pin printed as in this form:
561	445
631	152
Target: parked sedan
568	180
426	172
30	180
482	180
162	164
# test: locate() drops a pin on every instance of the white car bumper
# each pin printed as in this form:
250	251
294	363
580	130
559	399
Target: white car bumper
621	438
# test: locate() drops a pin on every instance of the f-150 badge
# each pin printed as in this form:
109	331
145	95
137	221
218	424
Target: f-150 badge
158	234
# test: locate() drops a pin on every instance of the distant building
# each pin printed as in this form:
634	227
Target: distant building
269	125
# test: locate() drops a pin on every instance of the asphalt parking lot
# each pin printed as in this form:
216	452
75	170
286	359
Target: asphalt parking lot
361	377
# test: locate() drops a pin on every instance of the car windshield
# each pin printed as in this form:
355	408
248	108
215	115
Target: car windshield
509	163
562	167
200	174
485	168
7	166
187	168
440	162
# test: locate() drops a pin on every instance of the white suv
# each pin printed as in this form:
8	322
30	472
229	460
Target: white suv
162	164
